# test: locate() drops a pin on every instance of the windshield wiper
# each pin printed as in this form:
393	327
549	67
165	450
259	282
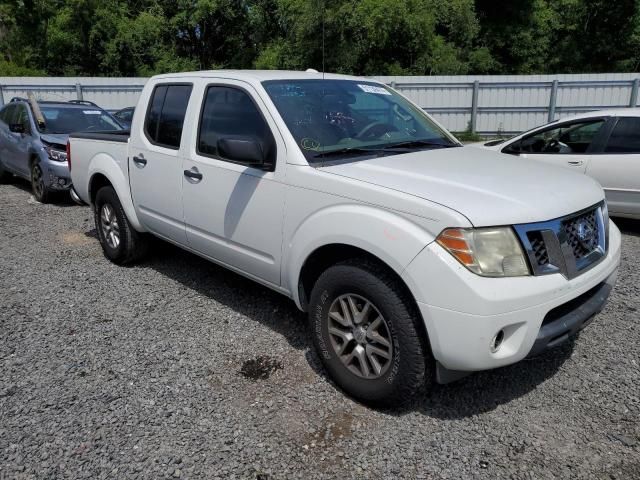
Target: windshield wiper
420	143
348	151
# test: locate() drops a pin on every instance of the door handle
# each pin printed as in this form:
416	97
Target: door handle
193	175
140	161
576	163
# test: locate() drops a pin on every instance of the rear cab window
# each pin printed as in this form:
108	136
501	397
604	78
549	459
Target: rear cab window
165	116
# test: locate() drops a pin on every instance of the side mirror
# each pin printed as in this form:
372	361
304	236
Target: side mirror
513	149
17	128
246	150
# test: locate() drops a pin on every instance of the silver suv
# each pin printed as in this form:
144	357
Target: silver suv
33	140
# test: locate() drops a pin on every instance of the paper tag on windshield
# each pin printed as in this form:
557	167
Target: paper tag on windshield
374	89
92	112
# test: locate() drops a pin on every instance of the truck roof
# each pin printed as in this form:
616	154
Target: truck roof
260	75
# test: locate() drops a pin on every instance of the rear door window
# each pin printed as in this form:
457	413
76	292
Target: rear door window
165	117
625	137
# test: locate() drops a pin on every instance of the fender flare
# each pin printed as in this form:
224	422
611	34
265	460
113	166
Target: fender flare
392	238
105	165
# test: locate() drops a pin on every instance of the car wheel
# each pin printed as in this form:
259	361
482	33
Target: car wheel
367	332
121	243
38	186
5	175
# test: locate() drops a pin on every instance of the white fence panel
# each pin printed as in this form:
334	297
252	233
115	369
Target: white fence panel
487	104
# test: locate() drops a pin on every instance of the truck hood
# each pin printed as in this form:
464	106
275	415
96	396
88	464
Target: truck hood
59	140
488	188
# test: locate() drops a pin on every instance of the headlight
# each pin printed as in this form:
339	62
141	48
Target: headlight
491	252
56	155
605	220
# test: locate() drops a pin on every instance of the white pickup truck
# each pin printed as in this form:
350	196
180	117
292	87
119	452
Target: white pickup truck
417	259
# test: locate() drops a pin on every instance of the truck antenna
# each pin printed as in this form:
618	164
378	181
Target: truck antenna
324	4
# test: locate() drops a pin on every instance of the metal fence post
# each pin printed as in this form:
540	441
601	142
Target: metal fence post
79	91
553	100
474	106
1	97
633	102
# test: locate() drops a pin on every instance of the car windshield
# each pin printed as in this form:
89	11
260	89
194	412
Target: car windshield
64	120
349	118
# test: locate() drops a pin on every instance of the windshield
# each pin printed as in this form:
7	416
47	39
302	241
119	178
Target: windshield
347	117
65	120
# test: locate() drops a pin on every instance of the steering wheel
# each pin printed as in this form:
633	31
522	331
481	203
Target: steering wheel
556	146
375	130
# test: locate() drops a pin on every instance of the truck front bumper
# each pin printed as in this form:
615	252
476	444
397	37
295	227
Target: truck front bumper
463	312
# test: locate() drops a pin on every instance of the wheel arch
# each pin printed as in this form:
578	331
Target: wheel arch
338	232
331	254
103	171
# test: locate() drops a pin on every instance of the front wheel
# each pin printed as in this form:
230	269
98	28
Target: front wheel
366	330
5	175
121	243
38	186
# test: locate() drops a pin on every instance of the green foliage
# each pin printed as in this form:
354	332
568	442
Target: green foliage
366	37
468	136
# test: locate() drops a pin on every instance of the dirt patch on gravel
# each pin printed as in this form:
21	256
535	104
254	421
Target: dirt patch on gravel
260	368
78	239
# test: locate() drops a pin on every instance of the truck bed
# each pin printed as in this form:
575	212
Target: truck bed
121	136
102	153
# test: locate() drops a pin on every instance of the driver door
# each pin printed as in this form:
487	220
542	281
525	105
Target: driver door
568	145
233	211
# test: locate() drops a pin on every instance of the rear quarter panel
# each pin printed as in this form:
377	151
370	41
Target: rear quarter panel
110	159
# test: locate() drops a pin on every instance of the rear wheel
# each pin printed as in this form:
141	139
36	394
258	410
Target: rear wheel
121	243
366	330
40	191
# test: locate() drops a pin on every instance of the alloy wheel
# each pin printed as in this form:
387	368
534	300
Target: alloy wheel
109	226
37	180
360	336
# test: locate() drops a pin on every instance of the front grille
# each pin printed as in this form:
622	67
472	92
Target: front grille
582	234
539	248
569	245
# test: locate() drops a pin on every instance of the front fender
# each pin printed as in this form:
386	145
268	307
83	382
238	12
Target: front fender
392	238
106	165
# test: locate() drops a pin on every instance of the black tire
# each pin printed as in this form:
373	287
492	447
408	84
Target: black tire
5	176
410	369
132	245
38	186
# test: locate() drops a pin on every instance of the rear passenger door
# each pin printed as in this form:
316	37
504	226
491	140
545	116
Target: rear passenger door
617	167
155	165
233	211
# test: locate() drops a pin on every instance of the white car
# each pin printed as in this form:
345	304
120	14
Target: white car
415	257
604	145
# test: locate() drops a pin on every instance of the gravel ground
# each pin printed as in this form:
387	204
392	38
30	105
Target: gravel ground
179	369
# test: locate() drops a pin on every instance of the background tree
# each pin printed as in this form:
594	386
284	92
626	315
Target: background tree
421	37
